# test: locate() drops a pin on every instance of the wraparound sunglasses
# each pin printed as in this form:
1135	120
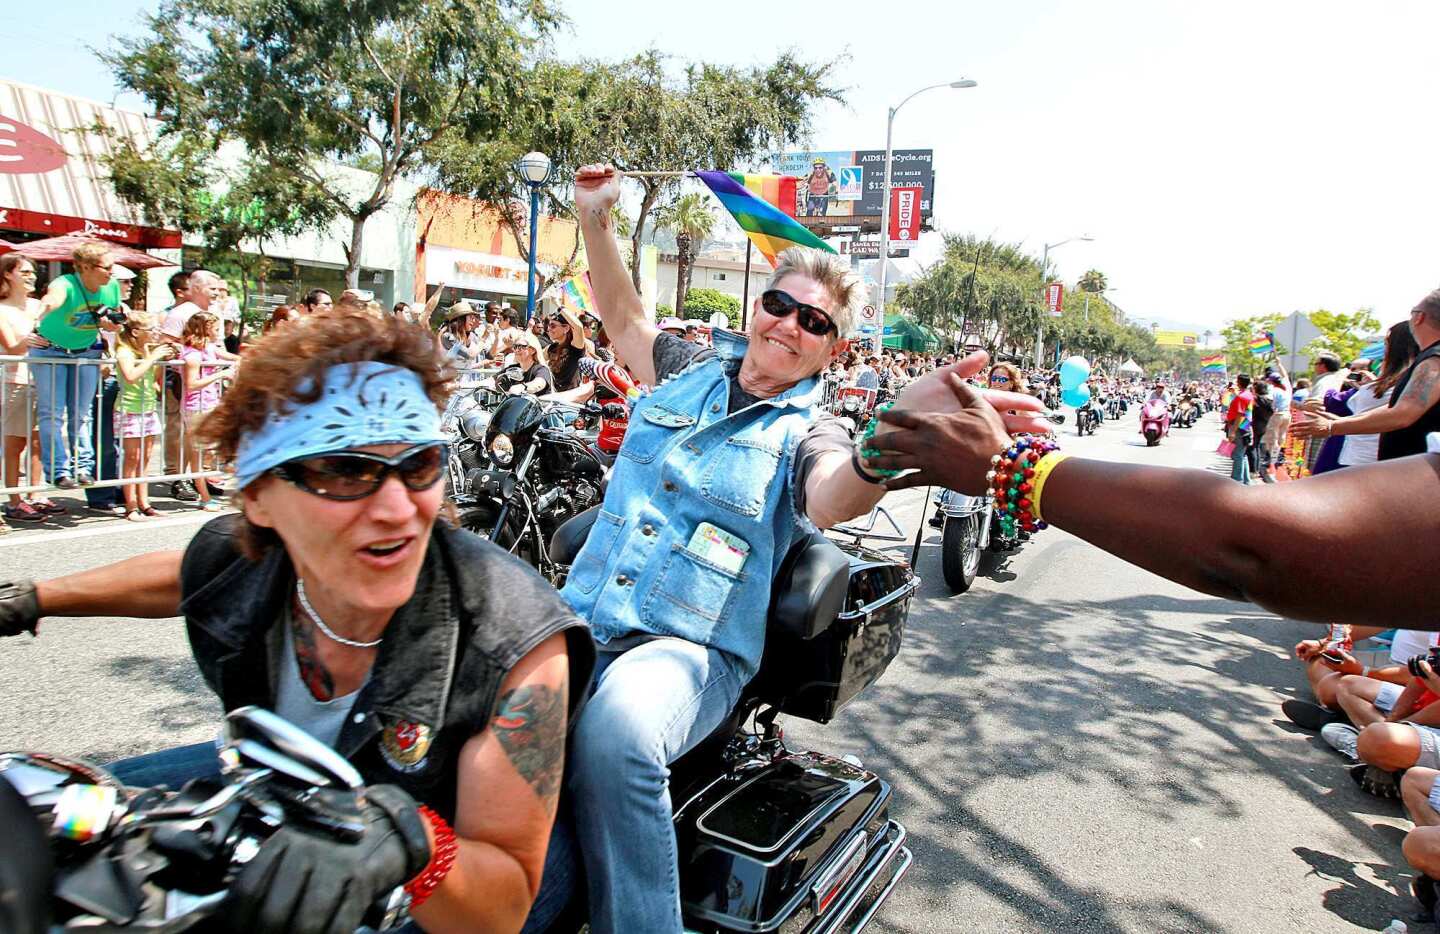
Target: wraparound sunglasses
780	304
353	475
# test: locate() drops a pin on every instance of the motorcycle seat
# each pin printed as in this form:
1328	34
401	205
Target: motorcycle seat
567	539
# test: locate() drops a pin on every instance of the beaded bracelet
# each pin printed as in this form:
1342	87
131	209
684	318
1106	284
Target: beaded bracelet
442	858
1012	484
868	434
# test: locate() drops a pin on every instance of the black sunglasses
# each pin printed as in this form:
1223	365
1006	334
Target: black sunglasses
816	321
357	474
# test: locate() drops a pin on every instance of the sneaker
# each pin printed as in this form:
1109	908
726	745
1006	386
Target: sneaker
184	491
1311	716
1343	738
65	483
118	511
83	478
1377	781
210	506
24	512
48	508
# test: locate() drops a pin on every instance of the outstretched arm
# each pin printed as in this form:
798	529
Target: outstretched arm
1201	530
597	188
147	586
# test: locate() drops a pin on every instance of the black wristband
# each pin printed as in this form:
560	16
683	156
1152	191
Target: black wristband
860	471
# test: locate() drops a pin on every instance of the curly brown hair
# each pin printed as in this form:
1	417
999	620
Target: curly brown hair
286	367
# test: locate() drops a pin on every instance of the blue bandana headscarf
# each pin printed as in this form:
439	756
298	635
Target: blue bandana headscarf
361	404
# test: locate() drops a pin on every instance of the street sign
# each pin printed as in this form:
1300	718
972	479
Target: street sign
1054	298
854	228
1293	333
870	249
869	315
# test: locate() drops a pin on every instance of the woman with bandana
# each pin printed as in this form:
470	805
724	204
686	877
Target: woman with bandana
384	634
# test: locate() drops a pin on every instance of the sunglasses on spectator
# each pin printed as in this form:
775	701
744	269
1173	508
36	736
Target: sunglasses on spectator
1000	378
354	475
779	304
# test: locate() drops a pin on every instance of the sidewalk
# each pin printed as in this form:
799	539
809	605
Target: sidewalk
81	517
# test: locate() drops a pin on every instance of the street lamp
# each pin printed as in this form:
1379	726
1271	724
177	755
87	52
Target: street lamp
885	194
1044	275
534	168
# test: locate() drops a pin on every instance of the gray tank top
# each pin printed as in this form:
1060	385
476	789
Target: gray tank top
294	702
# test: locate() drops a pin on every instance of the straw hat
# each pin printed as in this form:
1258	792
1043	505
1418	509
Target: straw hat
459	310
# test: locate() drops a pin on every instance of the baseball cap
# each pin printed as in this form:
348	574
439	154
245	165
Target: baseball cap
120	272
672	323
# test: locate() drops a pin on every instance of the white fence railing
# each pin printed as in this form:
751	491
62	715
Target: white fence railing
65	408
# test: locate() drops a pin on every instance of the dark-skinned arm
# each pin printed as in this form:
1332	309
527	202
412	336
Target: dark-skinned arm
1274	545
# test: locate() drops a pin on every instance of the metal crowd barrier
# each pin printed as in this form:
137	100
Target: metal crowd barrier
72	376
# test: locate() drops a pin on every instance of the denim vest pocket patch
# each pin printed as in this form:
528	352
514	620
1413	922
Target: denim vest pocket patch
689	596
739	476
590	564
643	443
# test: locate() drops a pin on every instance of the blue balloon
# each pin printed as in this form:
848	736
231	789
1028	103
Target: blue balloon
1073	372
1076	397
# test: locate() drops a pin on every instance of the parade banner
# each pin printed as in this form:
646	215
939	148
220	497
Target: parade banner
1177	339
905	214
1054	298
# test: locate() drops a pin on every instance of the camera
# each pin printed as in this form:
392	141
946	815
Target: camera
113	315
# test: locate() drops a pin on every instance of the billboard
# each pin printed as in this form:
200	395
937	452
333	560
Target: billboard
1177	339
846	186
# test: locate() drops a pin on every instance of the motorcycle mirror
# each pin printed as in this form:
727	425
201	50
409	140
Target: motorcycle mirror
264	739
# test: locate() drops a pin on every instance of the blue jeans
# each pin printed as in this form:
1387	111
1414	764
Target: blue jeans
107	458
650	705
65	393
169	767
1240	461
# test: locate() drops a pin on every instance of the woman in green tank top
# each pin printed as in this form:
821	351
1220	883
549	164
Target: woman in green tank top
65	392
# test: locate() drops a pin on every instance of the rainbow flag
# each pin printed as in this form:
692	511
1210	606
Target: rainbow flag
778	190
1213	364
1262	345
770	229
575	294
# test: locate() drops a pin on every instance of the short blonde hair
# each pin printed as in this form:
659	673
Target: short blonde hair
90	254
833	274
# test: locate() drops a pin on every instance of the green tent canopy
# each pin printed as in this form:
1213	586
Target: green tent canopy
901	333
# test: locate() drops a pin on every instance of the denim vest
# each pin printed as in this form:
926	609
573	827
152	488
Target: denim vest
684	461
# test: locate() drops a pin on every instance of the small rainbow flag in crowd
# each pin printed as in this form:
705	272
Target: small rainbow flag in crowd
778	190
769	228
1262	344
1213	364
575	294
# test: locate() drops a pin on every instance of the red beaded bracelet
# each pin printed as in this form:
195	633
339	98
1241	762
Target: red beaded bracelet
442	857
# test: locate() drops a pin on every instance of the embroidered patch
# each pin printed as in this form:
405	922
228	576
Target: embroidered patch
404	745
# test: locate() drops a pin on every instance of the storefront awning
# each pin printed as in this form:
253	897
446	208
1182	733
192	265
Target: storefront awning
52	181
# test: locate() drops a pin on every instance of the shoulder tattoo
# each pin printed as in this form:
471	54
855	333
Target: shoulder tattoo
530	725
1422	386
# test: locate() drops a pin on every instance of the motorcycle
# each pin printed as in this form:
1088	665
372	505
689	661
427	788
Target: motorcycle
96	856
1115	406
1187	413
969	538
1087	419
1154	421
466	415
771	838
541	466
853	406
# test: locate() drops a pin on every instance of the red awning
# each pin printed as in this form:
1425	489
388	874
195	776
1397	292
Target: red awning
62	248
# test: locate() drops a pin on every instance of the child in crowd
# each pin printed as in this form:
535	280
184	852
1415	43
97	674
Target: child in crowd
137	408
202	392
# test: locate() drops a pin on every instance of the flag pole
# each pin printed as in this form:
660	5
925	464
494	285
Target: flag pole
656	174
745	302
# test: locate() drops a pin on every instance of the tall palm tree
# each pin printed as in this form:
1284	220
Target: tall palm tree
690	217
1093	281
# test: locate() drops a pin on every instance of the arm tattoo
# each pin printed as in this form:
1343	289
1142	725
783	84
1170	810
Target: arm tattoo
307	657
530	725
1422	385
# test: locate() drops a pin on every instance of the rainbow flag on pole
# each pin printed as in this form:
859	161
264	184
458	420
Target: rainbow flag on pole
1213	364
778	190
769	228
1262	344
575	294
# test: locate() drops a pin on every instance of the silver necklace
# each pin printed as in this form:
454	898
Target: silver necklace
320	623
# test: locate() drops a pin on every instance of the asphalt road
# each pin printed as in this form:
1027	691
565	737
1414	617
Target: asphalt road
1074	744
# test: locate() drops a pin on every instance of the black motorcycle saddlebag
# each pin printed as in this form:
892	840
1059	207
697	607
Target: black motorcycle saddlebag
779	844
824	645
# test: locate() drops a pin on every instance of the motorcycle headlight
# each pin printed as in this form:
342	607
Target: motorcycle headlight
503	450
474	423
851	404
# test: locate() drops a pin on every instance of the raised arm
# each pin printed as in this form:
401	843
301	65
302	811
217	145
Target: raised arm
597	189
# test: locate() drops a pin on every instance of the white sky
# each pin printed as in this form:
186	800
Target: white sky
1230	158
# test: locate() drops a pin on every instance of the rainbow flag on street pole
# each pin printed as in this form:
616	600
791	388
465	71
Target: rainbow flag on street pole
768	227
575	294
1213	364
1262	344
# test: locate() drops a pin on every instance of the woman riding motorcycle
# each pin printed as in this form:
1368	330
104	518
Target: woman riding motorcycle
391	638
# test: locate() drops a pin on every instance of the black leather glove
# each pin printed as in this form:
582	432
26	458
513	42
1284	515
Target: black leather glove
305	882
19	608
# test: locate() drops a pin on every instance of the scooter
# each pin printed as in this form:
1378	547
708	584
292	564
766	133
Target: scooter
1154	421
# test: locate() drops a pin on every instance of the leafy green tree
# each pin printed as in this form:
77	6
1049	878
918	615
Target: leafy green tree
702	303
1093	281
306	84
692	220
1344	335
663	311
